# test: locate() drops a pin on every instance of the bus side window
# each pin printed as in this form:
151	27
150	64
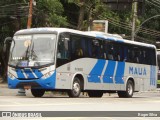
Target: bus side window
97	49
63	47
77	46
140	57
89	48
79	52
108	51
117	52
121	54
110	55
125	51
149	57
152	55
136	57
63	50
129	55
143	57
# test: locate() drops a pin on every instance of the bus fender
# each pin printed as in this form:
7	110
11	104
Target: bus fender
130	78
74	75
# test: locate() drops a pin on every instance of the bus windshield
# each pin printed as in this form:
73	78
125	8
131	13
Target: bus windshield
32	50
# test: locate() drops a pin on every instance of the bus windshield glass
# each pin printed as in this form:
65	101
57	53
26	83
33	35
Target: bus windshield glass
32	50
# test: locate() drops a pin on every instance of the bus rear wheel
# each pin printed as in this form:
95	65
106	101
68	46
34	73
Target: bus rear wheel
37	92
129	90
76	88
95	93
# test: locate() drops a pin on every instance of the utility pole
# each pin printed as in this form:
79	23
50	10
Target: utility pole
22	92
30	14
134	9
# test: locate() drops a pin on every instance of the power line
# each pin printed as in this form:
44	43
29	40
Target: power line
143	39
152	3
13	4
142	30
156	2
11	21
126	26
16	11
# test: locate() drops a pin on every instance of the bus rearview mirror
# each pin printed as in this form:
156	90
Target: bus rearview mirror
8	40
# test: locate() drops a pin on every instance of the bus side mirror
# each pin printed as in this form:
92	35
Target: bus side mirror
7	41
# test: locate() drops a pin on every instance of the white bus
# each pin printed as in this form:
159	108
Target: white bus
48	59
158	60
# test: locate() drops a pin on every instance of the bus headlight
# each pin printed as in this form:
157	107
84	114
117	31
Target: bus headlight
46	75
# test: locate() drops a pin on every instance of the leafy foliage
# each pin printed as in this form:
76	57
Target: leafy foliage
152	24
49	13
14	14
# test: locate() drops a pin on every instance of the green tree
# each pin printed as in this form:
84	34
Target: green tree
49	13
151	28
11	15
14	15
88	11
82	5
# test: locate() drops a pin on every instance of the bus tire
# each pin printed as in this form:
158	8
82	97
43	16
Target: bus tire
76	88
129	90
95	94
37	92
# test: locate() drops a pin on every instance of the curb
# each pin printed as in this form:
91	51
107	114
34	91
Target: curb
3	85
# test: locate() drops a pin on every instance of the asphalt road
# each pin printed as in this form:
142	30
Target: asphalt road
142	101
149	101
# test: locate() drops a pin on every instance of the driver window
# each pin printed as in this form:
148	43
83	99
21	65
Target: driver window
63	47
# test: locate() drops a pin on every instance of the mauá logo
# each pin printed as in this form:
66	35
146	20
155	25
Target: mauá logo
137	71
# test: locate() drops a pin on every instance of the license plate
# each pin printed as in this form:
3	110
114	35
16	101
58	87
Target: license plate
27	87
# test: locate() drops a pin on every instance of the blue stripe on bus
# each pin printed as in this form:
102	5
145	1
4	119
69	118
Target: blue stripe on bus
152	75
20	73
108	75
110	38
38	73
120	73
151	72
94	75
29	73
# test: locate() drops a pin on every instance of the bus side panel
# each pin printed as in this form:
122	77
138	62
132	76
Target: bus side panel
67	72
153	77
98	74
144	76
106	75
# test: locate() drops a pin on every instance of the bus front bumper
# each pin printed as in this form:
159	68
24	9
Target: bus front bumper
41	83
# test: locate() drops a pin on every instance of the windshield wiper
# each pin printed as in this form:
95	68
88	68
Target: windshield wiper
33	53
27	53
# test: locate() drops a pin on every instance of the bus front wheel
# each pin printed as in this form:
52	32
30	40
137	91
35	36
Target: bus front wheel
129	90
76	88
37	92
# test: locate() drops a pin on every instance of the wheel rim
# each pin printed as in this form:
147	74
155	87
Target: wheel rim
130	89
76	88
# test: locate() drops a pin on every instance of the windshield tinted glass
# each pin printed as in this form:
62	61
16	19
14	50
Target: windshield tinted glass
32	50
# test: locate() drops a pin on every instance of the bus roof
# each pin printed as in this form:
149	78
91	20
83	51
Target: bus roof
96	34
